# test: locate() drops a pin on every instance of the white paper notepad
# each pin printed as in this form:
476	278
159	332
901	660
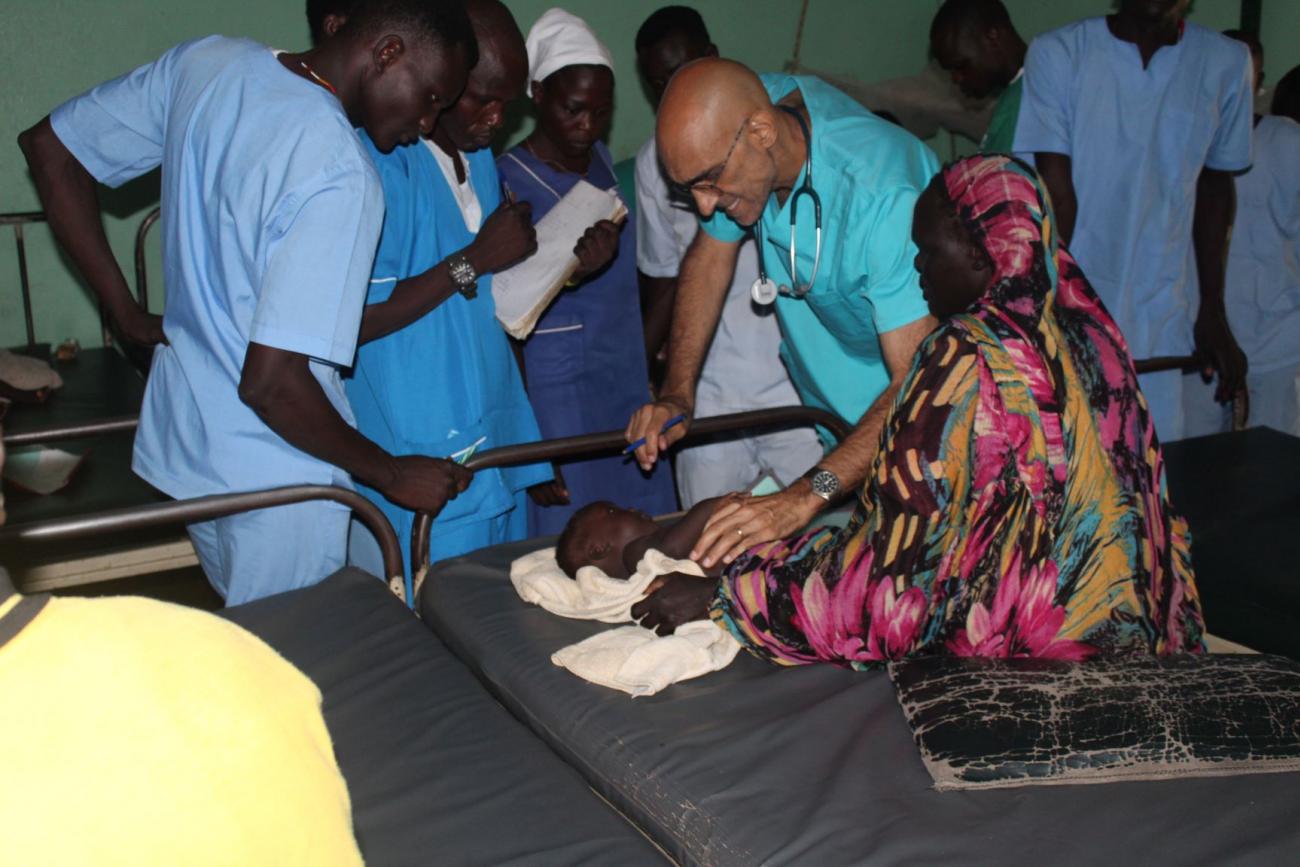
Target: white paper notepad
523	293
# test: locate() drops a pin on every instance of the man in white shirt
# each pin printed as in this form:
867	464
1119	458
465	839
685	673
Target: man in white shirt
743	370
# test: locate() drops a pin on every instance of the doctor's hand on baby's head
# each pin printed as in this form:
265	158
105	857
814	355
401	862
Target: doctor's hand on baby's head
597	534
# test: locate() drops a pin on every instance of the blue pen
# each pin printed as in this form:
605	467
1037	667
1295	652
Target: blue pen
677	419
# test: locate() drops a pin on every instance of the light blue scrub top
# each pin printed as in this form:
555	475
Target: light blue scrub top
868	173
449	379
1138	139
270	216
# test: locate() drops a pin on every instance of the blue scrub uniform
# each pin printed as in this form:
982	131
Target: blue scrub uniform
270	216
1137	140
449	379
869	174
585	361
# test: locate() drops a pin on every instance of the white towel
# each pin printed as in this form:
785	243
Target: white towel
630	658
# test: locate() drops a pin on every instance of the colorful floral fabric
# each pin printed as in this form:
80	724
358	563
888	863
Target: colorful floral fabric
1017	505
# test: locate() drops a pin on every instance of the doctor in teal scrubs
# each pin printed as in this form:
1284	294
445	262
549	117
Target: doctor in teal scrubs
794	158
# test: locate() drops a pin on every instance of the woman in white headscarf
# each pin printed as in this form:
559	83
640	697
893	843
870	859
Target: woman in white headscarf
585	363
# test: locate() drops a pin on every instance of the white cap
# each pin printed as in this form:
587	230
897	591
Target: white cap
561	39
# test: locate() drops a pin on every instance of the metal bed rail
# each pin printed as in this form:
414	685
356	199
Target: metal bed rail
17	221
20	219
613	442
72	431
141	235
217	506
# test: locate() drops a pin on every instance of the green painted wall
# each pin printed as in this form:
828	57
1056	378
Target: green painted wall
53	49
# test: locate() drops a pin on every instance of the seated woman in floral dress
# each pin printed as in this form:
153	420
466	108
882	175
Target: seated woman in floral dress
1018	504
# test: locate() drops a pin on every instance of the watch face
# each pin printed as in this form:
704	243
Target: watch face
825	483
464	276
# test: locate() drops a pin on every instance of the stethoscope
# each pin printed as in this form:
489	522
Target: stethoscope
764	289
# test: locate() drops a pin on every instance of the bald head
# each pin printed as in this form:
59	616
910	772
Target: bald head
497	79
704	105
719	134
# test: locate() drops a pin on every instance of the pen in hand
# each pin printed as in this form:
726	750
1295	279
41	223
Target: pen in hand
675	420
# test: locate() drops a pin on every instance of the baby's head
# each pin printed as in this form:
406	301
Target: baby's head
596	536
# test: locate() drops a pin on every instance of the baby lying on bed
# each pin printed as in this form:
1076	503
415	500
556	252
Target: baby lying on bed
615	539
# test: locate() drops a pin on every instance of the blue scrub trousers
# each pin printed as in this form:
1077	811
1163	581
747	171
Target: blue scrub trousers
270	551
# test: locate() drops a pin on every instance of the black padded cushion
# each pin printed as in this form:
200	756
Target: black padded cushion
1240	493
758	764
983	723
438	772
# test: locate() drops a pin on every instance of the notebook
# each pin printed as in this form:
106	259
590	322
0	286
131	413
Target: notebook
523	292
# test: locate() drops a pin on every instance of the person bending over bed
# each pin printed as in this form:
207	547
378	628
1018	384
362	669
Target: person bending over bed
1017	506
615	539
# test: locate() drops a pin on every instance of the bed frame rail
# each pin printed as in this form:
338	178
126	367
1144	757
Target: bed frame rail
217	506
613	442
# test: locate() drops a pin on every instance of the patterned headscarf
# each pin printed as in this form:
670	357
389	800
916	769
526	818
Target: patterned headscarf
1007	210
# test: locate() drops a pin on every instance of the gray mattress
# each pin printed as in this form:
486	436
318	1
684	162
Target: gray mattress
759	764
439	772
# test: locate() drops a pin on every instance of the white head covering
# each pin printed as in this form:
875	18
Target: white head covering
561	39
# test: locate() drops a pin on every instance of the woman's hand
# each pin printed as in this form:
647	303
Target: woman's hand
740	525
674	599
596	248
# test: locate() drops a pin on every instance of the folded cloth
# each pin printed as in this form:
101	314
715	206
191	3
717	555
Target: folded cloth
631	658
635	660
539	579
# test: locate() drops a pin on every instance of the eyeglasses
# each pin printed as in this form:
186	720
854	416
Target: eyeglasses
707	182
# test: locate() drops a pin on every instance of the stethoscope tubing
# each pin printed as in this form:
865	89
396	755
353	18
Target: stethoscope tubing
762	290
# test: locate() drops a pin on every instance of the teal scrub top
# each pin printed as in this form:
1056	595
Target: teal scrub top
868	173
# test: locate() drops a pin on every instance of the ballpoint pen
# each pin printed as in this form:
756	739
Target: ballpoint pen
677	419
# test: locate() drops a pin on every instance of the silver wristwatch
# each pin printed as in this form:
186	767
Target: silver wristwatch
463	275
825	484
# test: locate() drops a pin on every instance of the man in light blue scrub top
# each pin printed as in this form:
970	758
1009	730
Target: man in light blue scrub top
271	212
741	145
448	383
1137	122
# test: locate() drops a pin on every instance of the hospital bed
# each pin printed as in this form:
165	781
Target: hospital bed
816	765
753	764
95	413
438	772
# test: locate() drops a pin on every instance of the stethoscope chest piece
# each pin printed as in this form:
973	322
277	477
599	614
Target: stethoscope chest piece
764	291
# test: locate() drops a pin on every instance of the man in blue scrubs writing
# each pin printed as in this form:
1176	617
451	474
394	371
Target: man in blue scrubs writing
271	213
447	383
1137	122
749	150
